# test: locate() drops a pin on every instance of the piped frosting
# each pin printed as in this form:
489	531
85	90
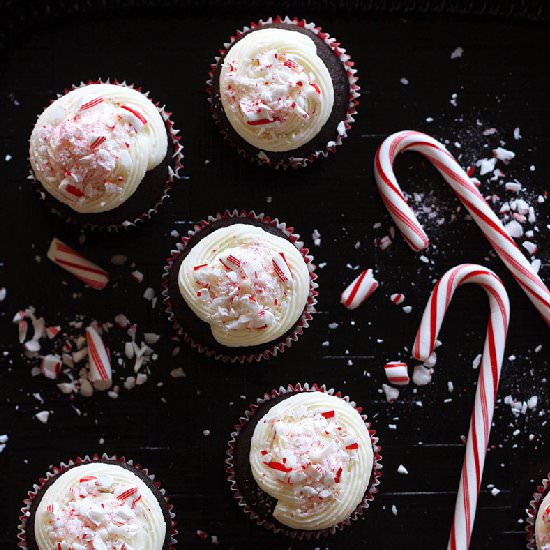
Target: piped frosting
251	286
91	148
275	90
312	452
100	506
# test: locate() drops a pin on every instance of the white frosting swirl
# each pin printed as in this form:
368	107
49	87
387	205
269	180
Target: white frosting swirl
251	286
90	148
313	453
100	506
275	90
542	525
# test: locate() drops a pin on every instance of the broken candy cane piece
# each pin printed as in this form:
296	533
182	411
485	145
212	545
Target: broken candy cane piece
391	393
50	366
281	268
397	299
229	262
397	373
52	332
359	290
100	366
70	260
22	326
422	376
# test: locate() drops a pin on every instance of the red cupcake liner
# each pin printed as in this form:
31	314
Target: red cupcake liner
56	470
532	512
343	126
274	348
174	167
297	533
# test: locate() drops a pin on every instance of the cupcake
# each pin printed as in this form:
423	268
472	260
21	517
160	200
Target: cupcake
97	503
104	155
304	461
283	92
538	518
240	287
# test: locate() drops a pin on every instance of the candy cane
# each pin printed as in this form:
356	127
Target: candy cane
70	260
100	366
484	403
467	192
359	290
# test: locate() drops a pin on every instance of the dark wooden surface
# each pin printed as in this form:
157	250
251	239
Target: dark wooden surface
502	80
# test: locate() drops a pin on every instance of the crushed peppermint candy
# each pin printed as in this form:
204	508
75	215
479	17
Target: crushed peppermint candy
271	91
81	365
457	52
392	394
87	152
361	288
96	510
245	288
310	451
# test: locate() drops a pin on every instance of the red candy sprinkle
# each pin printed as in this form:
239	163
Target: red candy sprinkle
127	493
328	414
278	466
135	113
261	121
91	103
97	142
352	447
74	191
87	478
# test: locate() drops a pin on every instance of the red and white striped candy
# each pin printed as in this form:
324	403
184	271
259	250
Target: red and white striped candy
397	299
91	103
134	117
88	272
53	331
50	366
359	290
467	192
397	373
23	327
100	366
230	262
281	268
486	392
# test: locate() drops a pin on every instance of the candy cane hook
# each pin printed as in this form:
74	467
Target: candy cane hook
467	192
486	392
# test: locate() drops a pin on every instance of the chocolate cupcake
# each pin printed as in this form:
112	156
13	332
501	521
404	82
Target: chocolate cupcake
283	92
303	461
104	155
97	502
240	287
538	517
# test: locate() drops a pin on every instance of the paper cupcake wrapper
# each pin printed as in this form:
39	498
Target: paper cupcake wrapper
56	470
343	126
534	505
299	534
174	168
273	348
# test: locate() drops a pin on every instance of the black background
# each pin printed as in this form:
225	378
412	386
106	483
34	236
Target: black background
501	80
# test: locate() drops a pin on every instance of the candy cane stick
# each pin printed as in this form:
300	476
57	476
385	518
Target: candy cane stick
484	403
467	192
100	366
70	260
